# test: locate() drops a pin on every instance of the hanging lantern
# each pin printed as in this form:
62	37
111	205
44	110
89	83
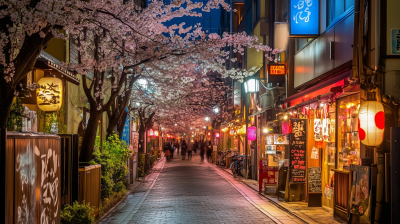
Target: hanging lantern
49	94
217	134
209	133
155	133
251	133
371	123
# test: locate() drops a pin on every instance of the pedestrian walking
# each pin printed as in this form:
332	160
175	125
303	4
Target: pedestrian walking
202	150
167	152
183	149
177	146
209	151
190	149
195	146
172	149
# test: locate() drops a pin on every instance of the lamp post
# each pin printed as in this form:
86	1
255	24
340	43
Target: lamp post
251	85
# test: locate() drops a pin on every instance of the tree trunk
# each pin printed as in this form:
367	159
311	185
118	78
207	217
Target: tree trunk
121	123
6	99
111	127
142	131
89	138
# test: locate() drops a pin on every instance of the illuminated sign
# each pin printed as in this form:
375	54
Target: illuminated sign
304	18
277	69
49	94
217	134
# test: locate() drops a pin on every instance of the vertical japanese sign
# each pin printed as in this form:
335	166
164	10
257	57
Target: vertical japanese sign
237	94
304	17
395	41
298	153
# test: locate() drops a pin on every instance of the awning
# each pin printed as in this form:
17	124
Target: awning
46	61
260	112
319	86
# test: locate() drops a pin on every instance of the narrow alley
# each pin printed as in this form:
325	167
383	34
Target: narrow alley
191	191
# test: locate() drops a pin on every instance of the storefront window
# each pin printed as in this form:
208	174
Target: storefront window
348	142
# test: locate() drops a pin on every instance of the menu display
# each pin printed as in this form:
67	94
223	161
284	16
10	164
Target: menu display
297	158
314	180
281	139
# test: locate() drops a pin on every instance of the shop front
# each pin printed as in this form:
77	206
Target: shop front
329	121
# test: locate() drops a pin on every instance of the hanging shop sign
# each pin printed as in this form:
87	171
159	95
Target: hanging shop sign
371	123
281	139
251	133
298	151
326	126
278	69
317	130
49	94
269	139
304	18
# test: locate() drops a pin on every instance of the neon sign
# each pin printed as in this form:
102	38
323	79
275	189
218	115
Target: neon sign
304	18
277	70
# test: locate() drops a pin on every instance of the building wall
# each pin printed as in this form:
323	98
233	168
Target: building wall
254	57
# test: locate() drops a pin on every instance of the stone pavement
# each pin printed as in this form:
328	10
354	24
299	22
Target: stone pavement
182	191
320	215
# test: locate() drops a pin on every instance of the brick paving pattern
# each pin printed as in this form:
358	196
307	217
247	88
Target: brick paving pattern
182	191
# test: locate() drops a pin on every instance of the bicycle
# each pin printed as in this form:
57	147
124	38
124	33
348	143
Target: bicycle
237	165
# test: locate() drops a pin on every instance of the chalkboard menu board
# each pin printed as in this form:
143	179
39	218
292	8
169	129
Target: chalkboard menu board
314	180
298	152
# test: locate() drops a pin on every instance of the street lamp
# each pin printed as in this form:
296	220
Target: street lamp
252	85
216	110
176	124
207	119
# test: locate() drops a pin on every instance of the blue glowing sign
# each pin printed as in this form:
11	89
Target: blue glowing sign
304	20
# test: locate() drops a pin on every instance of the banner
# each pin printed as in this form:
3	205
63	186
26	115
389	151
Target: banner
298	151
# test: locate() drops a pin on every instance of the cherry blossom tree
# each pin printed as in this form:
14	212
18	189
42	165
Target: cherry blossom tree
114	38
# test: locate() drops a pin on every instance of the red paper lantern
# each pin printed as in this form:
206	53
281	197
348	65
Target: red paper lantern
371	123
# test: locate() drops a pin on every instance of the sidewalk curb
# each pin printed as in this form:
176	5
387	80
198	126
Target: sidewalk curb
266	197
111	210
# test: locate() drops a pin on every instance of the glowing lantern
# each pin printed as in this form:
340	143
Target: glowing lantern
155	133
217	134
251	133
209	133
151	133
371	123
49	94
168	136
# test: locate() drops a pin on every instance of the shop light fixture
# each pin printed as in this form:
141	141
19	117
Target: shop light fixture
321	104
176	124
252	86
204	127
285	117
265	130
207	119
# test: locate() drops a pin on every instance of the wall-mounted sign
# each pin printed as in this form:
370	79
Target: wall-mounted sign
395	41
281	139
277	69
304	18
269	139
49	94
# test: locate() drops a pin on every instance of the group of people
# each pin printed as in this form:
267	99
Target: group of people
171	147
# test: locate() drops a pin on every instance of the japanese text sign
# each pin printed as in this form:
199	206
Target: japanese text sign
277	69
298	152
304	17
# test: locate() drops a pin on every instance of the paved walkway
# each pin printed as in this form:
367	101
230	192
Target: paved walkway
182	191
